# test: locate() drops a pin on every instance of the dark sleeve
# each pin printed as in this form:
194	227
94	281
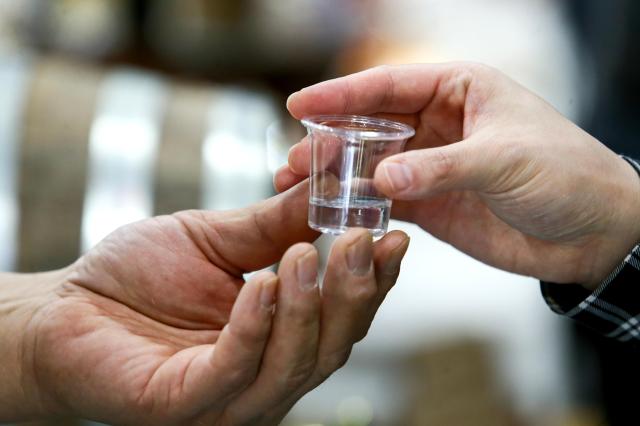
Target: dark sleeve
614	308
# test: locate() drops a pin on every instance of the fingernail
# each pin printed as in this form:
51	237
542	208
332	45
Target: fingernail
392	266
398	176
268	293
360	255
307	271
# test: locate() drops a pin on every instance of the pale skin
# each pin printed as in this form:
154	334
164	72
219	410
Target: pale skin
155	325
493	169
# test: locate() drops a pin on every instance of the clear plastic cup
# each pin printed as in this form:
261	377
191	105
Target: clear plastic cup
345	150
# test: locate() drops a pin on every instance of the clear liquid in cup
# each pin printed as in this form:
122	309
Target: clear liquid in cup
336	215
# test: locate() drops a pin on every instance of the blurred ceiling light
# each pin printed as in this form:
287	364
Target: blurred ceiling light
122	150
235	151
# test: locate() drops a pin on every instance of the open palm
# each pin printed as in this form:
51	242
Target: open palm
156	325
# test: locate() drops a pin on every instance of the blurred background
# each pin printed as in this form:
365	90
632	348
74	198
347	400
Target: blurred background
114	110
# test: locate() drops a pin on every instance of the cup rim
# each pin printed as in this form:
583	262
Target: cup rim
385	129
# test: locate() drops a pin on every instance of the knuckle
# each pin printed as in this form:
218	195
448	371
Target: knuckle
479	69
248	337
297	375
362	294
362	334
332	362
387	94
262	226
300	315
439	165
382	68
300	249
239	379
184	214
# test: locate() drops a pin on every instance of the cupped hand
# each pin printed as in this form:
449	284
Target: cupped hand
493	169
155	325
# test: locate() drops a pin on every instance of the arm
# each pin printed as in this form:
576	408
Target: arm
22	297
612	308
156	325
493	170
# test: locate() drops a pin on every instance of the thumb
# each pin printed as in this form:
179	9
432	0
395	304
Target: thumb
257	236
468	164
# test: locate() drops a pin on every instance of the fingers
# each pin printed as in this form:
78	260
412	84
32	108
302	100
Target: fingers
358	276
300	157
302	351
299	162
255	237
436	94
291	353
353	290
297	168
285	179
470	164
348	291
391	89
218	372
388	253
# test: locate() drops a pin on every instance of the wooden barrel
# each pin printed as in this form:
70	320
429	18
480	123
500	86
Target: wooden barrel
138	143
52	162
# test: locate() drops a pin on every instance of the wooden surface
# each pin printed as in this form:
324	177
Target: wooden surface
53	160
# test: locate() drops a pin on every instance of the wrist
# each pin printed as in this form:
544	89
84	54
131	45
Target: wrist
624	232
23	299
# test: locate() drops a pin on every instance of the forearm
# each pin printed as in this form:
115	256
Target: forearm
609	304
22	298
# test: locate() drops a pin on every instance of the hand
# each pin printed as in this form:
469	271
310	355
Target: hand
493	169
155	325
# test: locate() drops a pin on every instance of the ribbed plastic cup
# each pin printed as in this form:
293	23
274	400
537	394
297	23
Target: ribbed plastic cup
345	151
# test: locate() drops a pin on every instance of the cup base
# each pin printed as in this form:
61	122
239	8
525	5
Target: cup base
337	215
341	230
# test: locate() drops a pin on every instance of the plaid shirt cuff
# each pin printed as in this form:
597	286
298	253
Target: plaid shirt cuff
614	308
